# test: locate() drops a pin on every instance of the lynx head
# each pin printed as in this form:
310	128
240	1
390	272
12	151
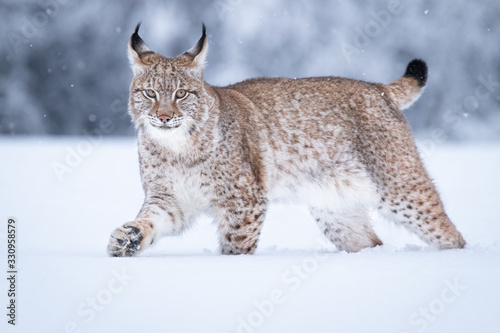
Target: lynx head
168	99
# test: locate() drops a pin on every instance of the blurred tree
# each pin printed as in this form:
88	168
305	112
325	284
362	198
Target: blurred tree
64	66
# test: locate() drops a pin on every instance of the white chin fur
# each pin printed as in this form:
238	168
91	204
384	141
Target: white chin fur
174	139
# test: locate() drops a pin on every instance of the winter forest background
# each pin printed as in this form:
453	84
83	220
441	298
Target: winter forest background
64	68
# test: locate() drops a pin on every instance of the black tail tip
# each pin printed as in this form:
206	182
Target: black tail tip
417	69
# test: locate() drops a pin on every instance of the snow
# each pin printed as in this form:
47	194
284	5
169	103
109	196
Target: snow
296	282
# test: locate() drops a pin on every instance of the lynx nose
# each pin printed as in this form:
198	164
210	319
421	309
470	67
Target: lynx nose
164	118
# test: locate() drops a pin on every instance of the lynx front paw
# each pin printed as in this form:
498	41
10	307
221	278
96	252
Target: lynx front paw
129	240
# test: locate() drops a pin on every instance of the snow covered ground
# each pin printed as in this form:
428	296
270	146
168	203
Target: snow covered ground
296	282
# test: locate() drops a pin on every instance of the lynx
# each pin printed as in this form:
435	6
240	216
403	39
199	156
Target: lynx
339	145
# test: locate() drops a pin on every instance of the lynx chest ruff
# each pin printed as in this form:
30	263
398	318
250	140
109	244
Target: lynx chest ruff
163	176
341	146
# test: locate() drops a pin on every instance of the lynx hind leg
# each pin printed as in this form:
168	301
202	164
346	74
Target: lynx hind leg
407	194
350	230
409	197
418	207
131	239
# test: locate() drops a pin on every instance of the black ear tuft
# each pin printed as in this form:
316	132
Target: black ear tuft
201	42
204	29
203	36
136	41
137	44
417	69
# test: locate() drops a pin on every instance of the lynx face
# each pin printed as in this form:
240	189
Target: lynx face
167	95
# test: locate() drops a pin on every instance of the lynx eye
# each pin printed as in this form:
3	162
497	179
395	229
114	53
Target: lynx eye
180	93
150	93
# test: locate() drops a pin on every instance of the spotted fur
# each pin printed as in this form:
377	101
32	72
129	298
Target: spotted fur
342	146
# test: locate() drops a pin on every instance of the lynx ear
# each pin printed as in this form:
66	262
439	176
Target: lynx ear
137	48
199	52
